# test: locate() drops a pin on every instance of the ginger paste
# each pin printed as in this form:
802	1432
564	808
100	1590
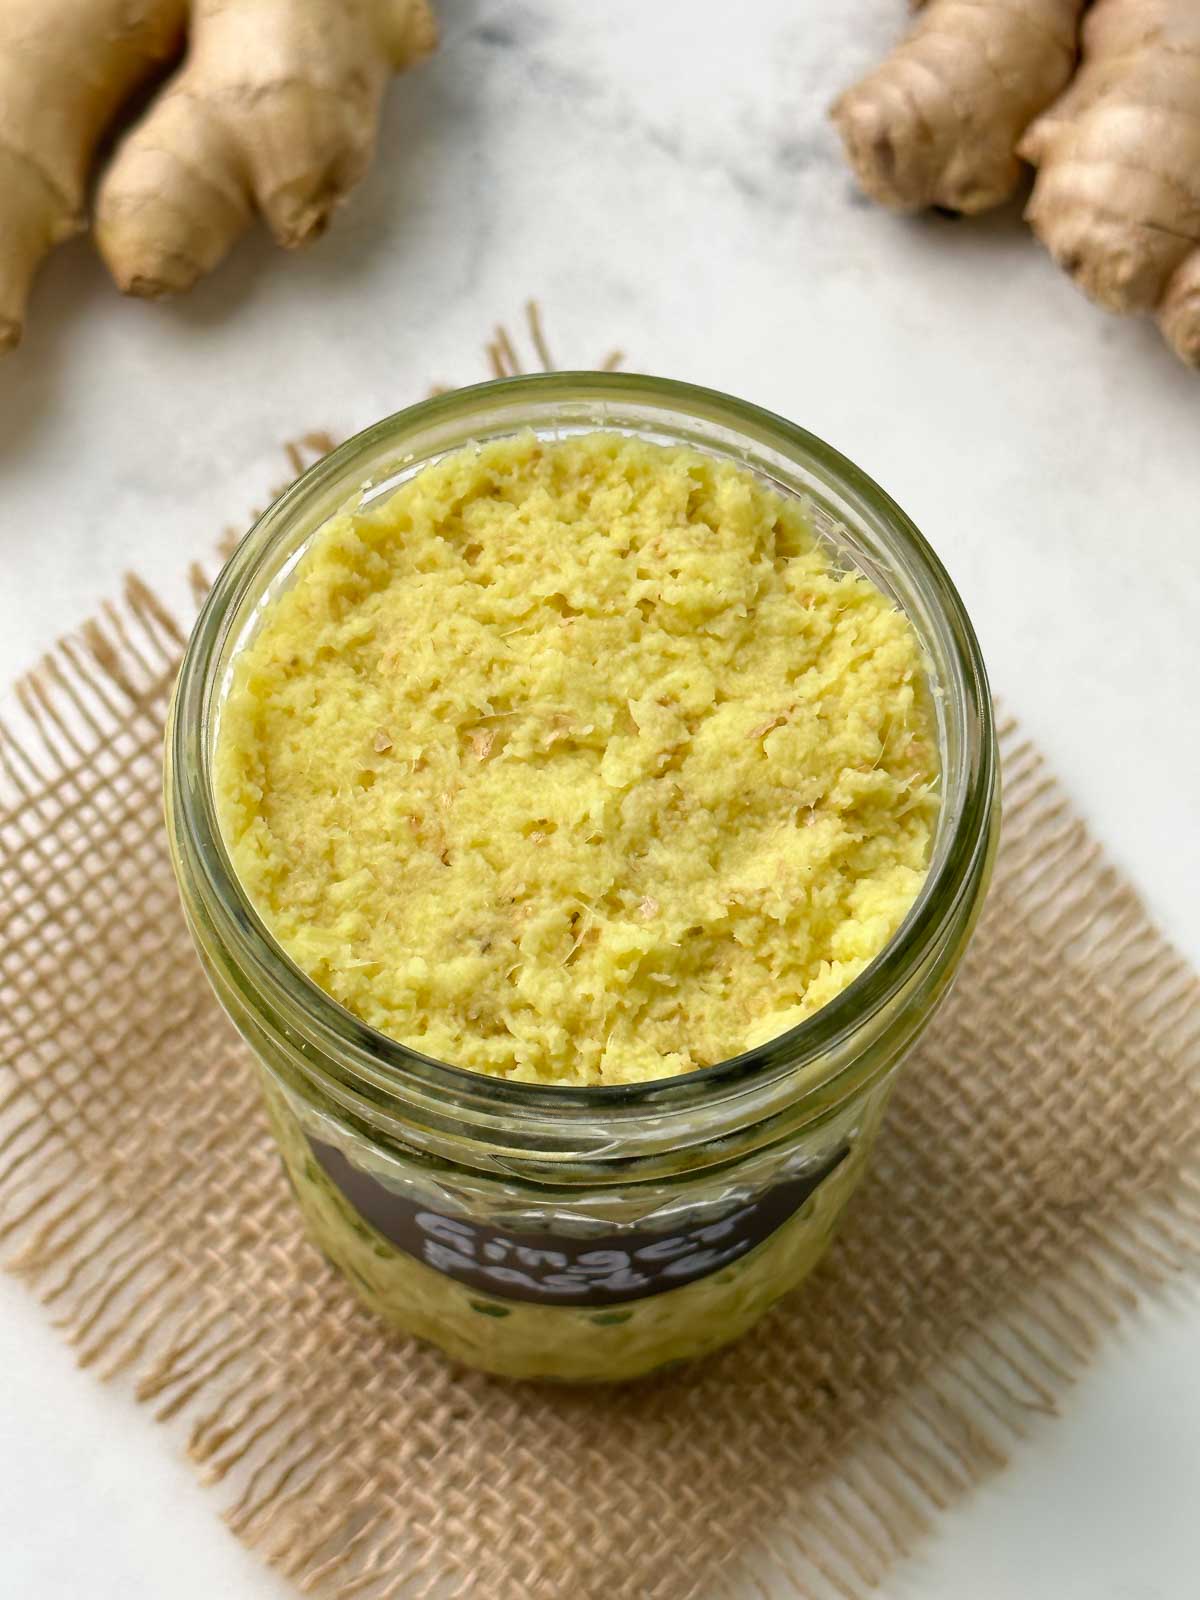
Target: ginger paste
579	762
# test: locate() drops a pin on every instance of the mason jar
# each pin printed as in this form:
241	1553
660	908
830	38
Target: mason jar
582	1233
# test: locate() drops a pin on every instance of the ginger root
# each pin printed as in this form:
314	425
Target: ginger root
982	84
937	123
65	71
1117	198
274	107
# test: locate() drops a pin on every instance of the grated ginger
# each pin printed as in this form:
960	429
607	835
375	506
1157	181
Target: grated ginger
579	762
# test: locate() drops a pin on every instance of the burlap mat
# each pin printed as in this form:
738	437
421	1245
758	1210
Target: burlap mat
1038	1170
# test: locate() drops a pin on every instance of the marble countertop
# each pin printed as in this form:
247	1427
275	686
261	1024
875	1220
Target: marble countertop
662	178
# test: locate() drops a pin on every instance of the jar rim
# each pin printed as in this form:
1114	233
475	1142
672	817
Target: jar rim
384	1064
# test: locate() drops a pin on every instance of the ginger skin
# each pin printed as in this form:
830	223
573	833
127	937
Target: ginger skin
1117	198
274	107
65	71
982	84
937	123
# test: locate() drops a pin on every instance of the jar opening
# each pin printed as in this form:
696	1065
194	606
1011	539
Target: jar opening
821	1060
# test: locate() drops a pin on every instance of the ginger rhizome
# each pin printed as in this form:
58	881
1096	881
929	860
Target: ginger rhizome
937	123
1117	198
65	70
1109	114
273	108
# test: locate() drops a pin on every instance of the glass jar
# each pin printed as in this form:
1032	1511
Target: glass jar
582	1233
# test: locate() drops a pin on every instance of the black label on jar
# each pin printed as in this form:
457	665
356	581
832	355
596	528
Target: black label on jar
569	1269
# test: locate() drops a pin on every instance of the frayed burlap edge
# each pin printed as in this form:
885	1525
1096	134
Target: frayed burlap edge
869	1496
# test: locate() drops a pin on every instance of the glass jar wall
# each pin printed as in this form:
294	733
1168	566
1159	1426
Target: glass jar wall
582	1233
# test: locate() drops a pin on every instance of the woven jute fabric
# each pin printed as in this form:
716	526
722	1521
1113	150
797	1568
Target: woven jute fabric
1037	1174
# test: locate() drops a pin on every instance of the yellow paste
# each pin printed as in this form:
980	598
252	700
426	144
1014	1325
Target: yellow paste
579	762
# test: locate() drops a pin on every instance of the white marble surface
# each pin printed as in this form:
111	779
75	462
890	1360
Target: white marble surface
661	176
